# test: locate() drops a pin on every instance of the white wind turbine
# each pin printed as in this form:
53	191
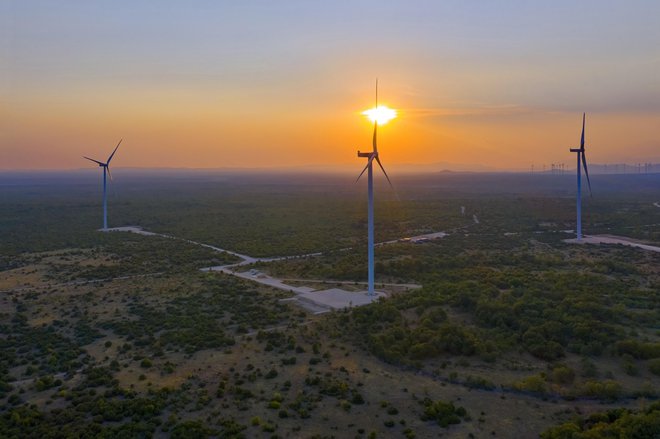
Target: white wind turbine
106	170
379	115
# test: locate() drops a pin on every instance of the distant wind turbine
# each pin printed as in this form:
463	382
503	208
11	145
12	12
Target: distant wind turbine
581	161
378	114
106	170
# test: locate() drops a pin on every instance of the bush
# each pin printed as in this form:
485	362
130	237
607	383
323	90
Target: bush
475	382
639	350
562	375
607	390
654	366
534	383
444	413
618	423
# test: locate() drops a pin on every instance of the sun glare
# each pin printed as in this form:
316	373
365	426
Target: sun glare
381	114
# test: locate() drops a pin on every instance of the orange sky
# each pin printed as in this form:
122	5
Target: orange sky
175	130
290	94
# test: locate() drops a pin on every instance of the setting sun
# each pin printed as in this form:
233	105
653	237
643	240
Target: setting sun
381	114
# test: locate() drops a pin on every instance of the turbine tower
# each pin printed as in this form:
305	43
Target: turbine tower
581	161
382	115
106	170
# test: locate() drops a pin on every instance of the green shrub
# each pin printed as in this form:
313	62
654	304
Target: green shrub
562	374
615	423
607	390
639	350
444	413
654	366
534	383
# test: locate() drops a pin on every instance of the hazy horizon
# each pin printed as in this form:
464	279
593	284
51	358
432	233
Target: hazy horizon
403	168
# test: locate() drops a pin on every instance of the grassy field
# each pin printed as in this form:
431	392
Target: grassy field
513	333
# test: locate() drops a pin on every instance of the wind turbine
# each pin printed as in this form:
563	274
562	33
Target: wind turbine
106	170
581	161
378	114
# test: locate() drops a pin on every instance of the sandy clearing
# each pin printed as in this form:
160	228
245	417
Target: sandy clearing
350	282
259	278
414	239
316	301
336	298
131	229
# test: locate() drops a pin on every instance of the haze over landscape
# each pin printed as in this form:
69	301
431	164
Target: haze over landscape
265	84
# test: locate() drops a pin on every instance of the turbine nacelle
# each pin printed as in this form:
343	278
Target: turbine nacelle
372	156
106	165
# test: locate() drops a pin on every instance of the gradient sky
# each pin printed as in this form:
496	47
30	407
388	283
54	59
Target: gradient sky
282	83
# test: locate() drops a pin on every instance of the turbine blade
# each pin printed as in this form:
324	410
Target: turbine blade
582	138
113	152
386	176
95	161
586	171
107	168
365	168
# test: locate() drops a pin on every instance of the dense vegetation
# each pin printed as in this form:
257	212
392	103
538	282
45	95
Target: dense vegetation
267	215
613	423
200	320
548	311
511	332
